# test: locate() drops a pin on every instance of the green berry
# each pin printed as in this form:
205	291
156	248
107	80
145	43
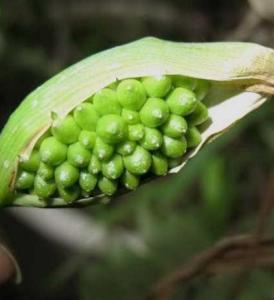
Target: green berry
94	166
173	147
102	150
106	102
159	164
86	116
25	180
87	139
182	101
66	175
130	116
44	189
174	162
130	181
184	82
107	186
53	152
193	137
87	181
154	113
65	130
175	127
202	89
112	129
45	171
126	148
199	115
70	194
131	94
157	86
31	162
78	155
136	132
152	139
138	162
113	168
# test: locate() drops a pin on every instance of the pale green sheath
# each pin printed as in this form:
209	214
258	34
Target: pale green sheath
241	75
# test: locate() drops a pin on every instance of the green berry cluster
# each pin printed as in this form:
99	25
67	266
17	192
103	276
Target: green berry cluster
130	130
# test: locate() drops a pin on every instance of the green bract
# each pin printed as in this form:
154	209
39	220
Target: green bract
124	116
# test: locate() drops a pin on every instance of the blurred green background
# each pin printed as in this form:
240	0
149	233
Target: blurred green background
117	251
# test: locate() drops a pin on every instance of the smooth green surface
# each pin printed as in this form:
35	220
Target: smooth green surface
154	113
65	129
112	129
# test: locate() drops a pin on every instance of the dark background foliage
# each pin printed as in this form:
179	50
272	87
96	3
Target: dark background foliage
118	251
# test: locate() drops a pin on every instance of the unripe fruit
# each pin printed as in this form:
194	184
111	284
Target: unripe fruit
136	132
159	165
78	155
112	129
154	113
193	137
106	102
25	180
157	86
198	116
107	186
52	152
45	171
126	148
87	139
173	147
44	189
182	101
94	166
131	94
70	194
130	116
30	163
138	162
86	116
184	82
87	181
201	89
102	150
175	126
113	168
115	138
130	181
66	175
152	139
65	130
